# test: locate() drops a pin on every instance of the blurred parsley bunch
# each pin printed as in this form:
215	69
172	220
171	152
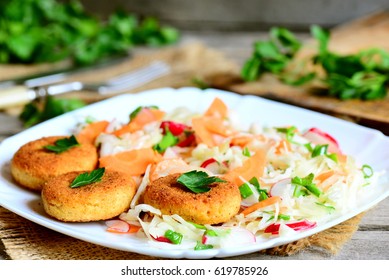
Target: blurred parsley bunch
35	31
363	75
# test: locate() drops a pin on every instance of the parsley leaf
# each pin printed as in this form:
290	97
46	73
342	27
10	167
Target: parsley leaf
307	183
88	178
34	112
198	181
62	145
50	30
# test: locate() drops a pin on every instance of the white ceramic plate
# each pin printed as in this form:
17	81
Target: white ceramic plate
366	145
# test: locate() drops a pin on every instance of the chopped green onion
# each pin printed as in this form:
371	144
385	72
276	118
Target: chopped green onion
330	208
173	236
263	194
245	191
168	140
211	232
284	217
289	132
198	225
201	246
319	150
246	152
367	171
306	182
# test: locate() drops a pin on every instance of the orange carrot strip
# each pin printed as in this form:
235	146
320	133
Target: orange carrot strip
241	140
283	146
324	175
145	116
217	109
90	132
133	162
261	204
252	167
203	135
216	125
134	228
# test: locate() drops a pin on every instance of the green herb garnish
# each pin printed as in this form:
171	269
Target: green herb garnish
367	171
319	150
329	208
246	152
168	140
173	236
289	132
245	191
62	145
198	181
201	246
88	178
307	183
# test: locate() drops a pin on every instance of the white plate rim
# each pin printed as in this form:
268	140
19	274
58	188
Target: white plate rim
201	98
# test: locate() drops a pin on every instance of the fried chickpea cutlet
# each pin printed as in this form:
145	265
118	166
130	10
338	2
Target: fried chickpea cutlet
33	164
93	202
216	206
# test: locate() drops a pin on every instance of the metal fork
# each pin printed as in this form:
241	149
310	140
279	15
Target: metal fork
20	95
116	84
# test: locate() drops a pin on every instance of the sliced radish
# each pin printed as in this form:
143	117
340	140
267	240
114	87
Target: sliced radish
320	137
174	127
118	226
213	166
297	226
279	188
161	239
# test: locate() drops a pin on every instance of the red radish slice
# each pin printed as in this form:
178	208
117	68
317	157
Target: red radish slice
118	226
320	137
297	226
278	189
213	166
174	127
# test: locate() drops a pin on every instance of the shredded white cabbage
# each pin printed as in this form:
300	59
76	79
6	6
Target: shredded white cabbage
330	183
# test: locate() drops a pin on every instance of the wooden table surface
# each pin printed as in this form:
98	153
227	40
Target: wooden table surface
369	242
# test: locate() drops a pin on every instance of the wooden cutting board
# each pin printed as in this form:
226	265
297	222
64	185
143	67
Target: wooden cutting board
366	32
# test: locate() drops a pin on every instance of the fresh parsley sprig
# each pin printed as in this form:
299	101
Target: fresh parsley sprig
62	145
198	181
88	178
363	75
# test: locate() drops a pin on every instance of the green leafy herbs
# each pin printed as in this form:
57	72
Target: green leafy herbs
35	31
88	178
364	75
62	145
271	56
36	112
198	181
305	186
